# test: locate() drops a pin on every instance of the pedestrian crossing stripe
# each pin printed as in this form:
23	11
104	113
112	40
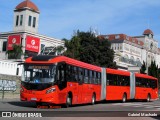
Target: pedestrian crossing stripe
145	105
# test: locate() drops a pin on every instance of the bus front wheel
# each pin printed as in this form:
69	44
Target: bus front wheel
148	98
124	98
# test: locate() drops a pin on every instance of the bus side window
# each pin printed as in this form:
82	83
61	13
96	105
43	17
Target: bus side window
69	73
111	79
108	79
85	76
114	80
119	80
137	82
75	72
143	84
61	76
80	74
126	81
95	78
154	84
90	76
147	83
123	80
99	77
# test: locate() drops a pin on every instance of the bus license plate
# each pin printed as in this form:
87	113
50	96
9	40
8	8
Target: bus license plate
34	99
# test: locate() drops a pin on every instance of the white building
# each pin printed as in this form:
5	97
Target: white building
25	33
132	51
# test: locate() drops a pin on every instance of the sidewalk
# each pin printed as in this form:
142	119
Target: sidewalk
9	95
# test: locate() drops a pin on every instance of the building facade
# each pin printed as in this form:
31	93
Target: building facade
132	51
25	33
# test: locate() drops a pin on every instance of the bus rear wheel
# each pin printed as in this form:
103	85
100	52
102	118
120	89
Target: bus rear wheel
124	98
68	101
93	99
148	98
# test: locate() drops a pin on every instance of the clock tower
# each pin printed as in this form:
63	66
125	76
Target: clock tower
26	17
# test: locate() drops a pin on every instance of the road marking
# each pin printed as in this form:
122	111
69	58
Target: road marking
143	105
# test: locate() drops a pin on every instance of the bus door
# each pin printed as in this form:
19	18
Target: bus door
61	81
81	92
86	86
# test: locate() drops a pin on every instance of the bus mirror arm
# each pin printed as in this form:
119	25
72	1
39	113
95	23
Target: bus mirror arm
17	71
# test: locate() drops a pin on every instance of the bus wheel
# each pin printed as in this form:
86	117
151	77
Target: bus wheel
148	98
124	99
68	101
93	99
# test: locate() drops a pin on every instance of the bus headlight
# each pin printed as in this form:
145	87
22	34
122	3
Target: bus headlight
50	90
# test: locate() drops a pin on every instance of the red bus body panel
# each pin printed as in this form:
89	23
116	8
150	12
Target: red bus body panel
116	92
142	92
81	93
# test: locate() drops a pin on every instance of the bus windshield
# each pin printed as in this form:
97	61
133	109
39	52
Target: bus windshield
39	73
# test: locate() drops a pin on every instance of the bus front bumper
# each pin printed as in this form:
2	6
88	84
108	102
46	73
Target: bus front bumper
48	98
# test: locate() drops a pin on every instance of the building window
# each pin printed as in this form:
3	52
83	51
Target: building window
17	20
117	36
107	37
4	46
42	48
34	22
21	20
120	46
29	20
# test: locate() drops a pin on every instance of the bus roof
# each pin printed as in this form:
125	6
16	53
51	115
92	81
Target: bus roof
46	59
117	72
42	59
144	76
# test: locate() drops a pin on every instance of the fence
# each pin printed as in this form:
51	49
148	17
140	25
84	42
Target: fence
9	67
9	86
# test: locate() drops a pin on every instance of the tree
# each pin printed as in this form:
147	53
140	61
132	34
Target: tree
153	70
143	68
59	50
86	47
16	52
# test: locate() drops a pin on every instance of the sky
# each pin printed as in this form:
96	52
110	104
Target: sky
61	18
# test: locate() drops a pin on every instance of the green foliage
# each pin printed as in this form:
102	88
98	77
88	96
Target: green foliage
143	68
86	47
59	49
153	70
16	52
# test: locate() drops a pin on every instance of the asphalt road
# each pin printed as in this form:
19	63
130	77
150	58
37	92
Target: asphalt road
112	109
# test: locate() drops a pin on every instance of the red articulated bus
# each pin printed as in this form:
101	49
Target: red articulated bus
62	80
124	85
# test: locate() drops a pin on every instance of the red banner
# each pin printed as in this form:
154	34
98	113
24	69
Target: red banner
13	39
32	43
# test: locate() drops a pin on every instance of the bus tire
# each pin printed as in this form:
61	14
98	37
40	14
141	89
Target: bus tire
124	98
93	99
68	101
148	98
